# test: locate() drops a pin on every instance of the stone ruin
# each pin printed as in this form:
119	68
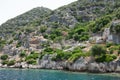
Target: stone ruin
110	36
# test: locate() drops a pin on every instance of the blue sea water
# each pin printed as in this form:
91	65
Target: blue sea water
30	74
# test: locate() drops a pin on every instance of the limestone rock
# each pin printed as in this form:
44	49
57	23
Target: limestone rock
93	67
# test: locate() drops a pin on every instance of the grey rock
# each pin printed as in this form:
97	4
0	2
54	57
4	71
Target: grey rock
93	67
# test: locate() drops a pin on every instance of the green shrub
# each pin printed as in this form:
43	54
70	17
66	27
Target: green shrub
97	50
76	50
117	28
33	52
4	57
101	58
12	62
109	44
76	53
67	55
110	57
105	58
76	37
2	44
48	50
31	61
10	42
80	30
22	54
32	56
62	56
111	51
19	44
118	51
118	15
76	56
29	29
43	29
41	55
4	62
101	23
113	56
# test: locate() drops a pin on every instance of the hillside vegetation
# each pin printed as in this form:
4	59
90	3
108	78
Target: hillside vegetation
66	34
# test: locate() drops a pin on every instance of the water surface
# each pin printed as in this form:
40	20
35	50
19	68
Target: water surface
19	74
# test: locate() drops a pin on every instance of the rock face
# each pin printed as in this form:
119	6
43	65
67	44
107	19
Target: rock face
81	65
112	33
10	50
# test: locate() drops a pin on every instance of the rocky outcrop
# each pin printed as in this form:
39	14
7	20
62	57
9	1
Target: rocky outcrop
11	50
81	65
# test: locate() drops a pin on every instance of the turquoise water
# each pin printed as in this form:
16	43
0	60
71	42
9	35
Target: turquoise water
16	74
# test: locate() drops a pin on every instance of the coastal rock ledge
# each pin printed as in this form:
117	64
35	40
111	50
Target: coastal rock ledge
81	65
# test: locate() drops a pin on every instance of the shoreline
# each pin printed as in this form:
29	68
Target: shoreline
114	74
81	65
66	70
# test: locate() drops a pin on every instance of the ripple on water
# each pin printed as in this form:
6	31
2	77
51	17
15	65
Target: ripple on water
16	74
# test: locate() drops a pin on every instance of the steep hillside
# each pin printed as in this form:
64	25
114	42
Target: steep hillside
67	16
67	35
81	11
34	15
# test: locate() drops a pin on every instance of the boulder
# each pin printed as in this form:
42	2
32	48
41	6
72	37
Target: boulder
24	65
79	65
93	67
18	65
118	67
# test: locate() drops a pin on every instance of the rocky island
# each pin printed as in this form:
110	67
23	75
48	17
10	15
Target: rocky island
83	36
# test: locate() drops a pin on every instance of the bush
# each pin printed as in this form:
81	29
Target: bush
76	37
111	51
97	50
29	29
106	58
118	51
62	56
118	15
101	58
109	44
76	56
22	54
4	57
12	62
4	62
77	53
32	56
48	50
101	23
19	44
110	57
117	28
43	29
67	55
31	61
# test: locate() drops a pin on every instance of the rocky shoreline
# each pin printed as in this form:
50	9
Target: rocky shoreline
81	65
